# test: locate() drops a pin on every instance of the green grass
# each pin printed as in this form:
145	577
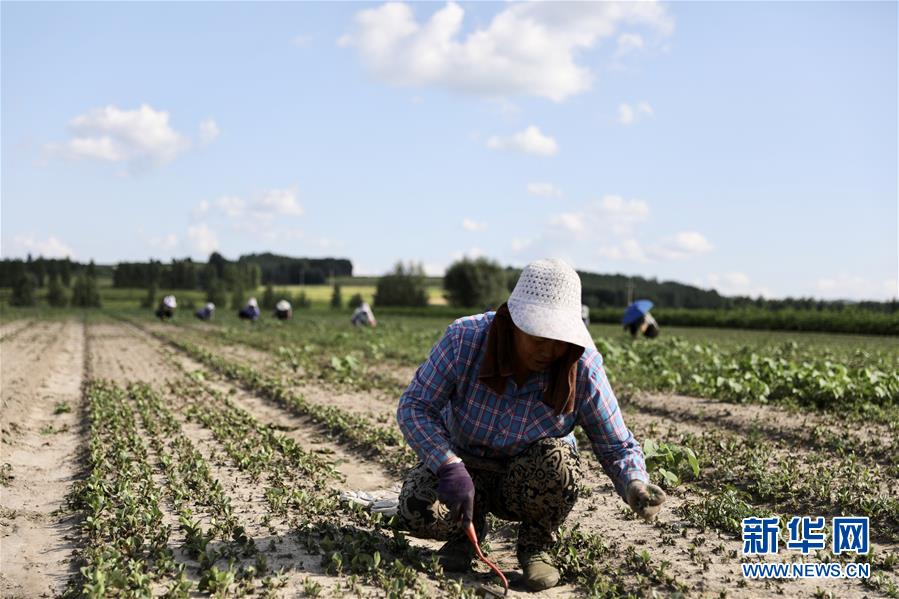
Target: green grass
321	294
118	298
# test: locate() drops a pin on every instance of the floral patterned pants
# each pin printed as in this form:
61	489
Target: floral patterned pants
537	488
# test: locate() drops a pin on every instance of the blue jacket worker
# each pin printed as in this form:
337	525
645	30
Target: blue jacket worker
250	311
206	312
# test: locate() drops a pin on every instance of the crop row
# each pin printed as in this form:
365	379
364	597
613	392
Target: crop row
782	374
126	541
596	576
854	486
299	488
865	383
385	443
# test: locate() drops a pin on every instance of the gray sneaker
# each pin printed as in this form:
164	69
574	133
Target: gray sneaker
539	572
456	555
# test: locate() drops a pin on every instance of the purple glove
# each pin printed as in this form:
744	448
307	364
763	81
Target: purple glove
456	489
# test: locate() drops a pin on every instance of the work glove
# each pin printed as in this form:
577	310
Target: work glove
456	489
645	499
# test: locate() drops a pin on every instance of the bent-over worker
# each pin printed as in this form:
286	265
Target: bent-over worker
491	415
166	308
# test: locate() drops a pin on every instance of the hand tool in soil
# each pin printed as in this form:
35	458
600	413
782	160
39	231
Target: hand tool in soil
473	537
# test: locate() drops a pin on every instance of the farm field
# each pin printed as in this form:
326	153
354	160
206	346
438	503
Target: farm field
197	459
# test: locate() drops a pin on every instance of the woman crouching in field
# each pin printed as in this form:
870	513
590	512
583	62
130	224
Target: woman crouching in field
491	414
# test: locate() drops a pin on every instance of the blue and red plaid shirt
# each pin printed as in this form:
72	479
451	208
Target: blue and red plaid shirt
447	407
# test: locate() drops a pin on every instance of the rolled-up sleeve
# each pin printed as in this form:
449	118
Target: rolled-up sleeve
419	411
615	447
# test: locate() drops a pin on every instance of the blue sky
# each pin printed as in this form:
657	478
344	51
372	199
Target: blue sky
749	147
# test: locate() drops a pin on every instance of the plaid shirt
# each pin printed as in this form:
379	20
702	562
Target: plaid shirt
446	406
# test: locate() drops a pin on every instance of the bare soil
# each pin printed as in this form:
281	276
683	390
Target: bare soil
40	457
45	363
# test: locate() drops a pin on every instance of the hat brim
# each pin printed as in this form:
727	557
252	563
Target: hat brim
541	321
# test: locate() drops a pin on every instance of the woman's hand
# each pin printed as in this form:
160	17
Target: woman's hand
645	499
456	489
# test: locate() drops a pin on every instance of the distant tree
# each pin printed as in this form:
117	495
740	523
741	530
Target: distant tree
355	301
206	276
39	270
23	291
301	301
405	286
218	262
216	293
475	283
56	293
65	272
149	300
268	298
238	298
85	293
336	298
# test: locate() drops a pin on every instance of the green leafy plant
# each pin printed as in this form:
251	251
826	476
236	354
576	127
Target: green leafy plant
670	461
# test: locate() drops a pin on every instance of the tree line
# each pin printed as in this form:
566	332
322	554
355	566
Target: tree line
67	282
480	283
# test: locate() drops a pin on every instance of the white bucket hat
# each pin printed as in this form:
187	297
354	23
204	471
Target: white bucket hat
169	301
282	305
252	302
546	302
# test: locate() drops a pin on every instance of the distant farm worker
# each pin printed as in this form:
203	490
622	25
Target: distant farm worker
363	316
585	314
206	312
637	319
166	308
491	415
283	310
250	311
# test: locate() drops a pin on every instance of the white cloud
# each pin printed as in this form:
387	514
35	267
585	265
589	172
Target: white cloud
473	225
505	107
734	283
627	249
608	228
209	131
201	210
164	244
29	243
262	209
682	245
846	285
569	221
141	137
629	42
231	206
612	212
278	201
202	238
529	141
546	190
628	115
527	49
520	244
